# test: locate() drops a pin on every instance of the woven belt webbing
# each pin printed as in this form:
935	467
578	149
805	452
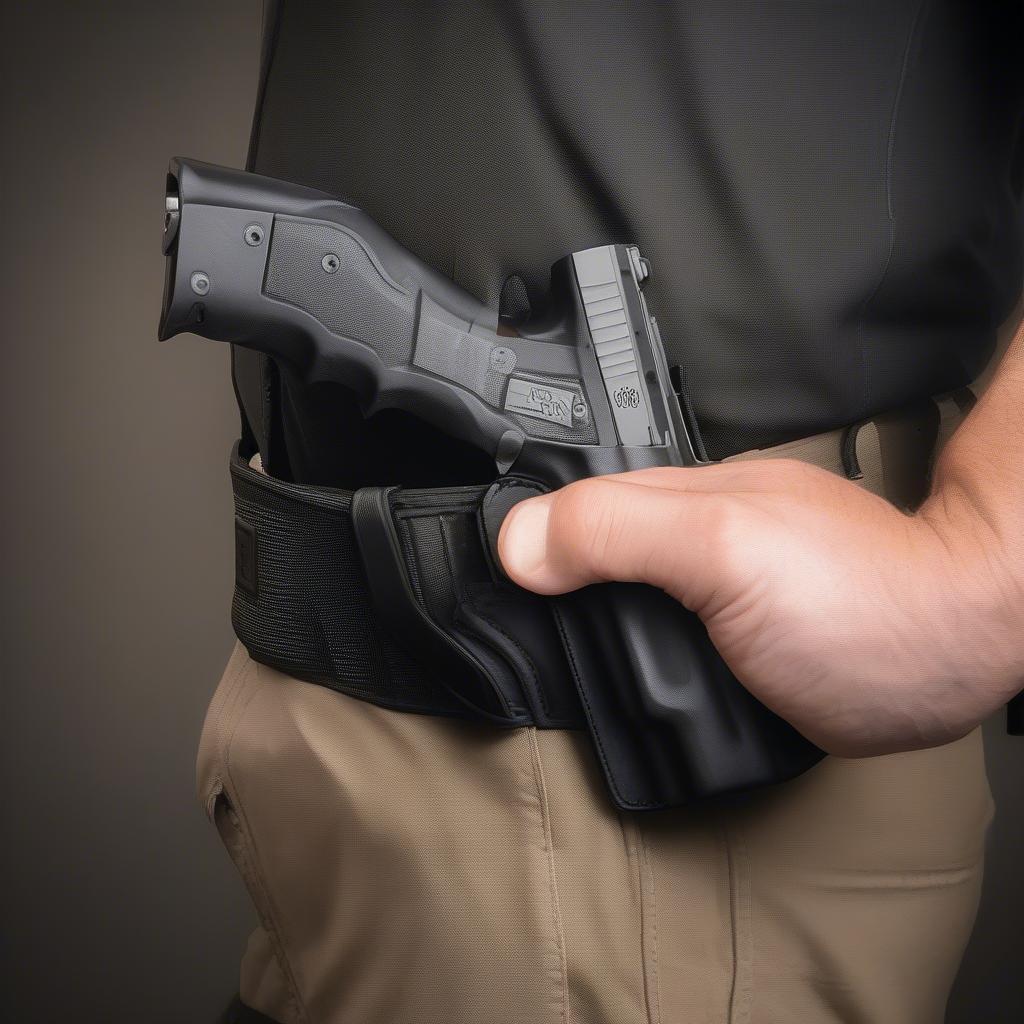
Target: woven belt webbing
303	602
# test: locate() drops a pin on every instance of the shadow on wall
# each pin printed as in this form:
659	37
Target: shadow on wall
118	903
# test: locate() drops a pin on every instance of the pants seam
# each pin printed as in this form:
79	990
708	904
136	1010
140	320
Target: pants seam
260	893
741	994
648	929
556	910
223	698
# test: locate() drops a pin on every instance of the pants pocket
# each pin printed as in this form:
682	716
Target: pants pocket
266	983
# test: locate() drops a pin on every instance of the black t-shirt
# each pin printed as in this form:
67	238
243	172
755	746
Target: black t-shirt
829	194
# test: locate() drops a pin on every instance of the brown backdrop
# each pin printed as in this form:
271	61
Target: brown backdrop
118	904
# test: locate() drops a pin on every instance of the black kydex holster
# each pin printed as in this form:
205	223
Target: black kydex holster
402	602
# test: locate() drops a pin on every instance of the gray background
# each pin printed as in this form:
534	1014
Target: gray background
117	902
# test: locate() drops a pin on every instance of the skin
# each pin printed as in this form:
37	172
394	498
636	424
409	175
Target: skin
870	630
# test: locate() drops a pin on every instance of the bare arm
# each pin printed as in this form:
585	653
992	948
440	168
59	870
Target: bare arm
870	630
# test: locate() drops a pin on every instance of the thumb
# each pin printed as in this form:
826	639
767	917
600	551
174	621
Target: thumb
604	529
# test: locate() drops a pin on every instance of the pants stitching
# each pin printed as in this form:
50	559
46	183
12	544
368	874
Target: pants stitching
260	893
649	925
740	997
549	847
222	698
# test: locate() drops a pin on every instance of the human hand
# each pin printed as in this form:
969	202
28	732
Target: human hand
868	629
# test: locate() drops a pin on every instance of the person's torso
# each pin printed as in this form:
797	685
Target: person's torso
829	194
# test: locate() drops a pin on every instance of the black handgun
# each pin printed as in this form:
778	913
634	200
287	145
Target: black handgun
319	286
583	389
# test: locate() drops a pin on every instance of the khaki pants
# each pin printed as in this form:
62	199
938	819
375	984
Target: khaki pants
417	870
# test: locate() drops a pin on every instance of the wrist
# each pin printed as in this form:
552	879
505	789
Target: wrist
978	579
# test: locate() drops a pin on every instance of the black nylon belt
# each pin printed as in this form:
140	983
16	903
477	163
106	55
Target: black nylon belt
304	602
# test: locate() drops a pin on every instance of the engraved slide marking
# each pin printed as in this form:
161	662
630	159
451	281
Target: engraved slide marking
541	401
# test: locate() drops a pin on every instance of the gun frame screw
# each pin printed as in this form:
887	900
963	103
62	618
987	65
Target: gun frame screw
253	234
503	359
579	409
330	263
200	283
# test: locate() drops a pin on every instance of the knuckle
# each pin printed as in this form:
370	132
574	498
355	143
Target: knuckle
587	521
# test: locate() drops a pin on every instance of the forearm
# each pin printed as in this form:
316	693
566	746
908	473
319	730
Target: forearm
977	508
981	470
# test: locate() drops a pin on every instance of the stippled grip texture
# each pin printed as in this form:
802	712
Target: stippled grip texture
350	295
329	272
